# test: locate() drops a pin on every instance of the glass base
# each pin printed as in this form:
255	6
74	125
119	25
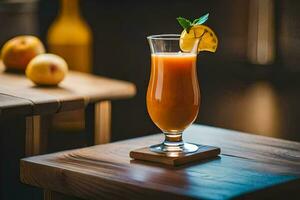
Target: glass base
174	149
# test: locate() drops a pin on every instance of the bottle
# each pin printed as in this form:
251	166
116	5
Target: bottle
70	37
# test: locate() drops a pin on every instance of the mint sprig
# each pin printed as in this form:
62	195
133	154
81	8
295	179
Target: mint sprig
187	24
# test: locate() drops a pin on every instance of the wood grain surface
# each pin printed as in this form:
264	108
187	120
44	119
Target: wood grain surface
77	90
249	167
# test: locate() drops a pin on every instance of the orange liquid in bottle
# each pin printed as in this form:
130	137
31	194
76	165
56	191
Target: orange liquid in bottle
173	96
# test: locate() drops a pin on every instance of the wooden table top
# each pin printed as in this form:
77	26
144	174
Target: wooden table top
249	166
18	95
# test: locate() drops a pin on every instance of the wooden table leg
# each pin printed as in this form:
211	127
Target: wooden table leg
102	122
32	135
37	129
98	122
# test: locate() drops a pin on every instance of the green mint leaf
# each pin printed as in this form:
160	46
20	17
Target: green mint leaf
195	21
201	20
185	23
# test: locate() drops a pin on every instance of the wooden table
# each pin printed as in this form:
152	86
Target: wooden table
249	167
26	110
20	97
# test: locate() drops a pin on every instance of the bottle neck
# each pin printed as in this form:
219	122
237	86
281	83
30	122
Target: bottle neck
69	9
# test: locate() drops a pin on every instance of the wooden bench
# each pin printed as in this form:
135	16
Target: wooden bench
249	167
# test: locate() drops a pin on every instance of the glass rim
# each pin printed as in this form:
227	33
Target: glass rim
164	37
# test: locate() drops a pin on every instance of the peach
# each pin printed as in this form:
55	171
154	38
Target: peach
47	69
18	51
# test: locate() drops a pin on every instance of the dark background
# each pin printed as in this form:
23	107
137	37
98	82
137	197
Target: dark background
236	94
261	99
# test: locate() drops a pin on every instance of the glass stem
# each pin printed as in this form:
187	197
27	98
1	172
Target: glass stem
173	140
173	145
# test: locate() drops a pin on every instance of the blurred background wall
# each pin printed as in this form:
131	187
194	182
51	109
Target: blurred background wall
236	93
250	84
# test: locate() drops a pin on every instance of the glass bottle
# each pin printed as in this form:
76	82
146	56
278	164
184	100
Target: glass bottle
70	37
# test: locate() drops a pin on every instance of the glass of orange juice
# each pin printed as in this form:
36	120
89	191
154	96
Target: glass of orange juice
173	95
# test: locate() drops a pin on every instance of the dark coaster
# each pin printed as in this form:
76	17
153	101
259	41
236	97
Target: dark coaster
204	152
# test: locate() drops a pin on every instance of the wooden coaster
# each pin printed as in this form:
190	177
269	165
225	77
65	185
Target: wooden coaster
204	152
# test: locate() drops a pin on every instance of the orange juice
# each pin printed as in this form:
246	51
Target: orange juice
173	96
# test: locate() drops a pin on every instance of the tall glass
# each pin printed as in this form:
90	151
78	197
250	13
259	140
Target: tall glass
173	95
